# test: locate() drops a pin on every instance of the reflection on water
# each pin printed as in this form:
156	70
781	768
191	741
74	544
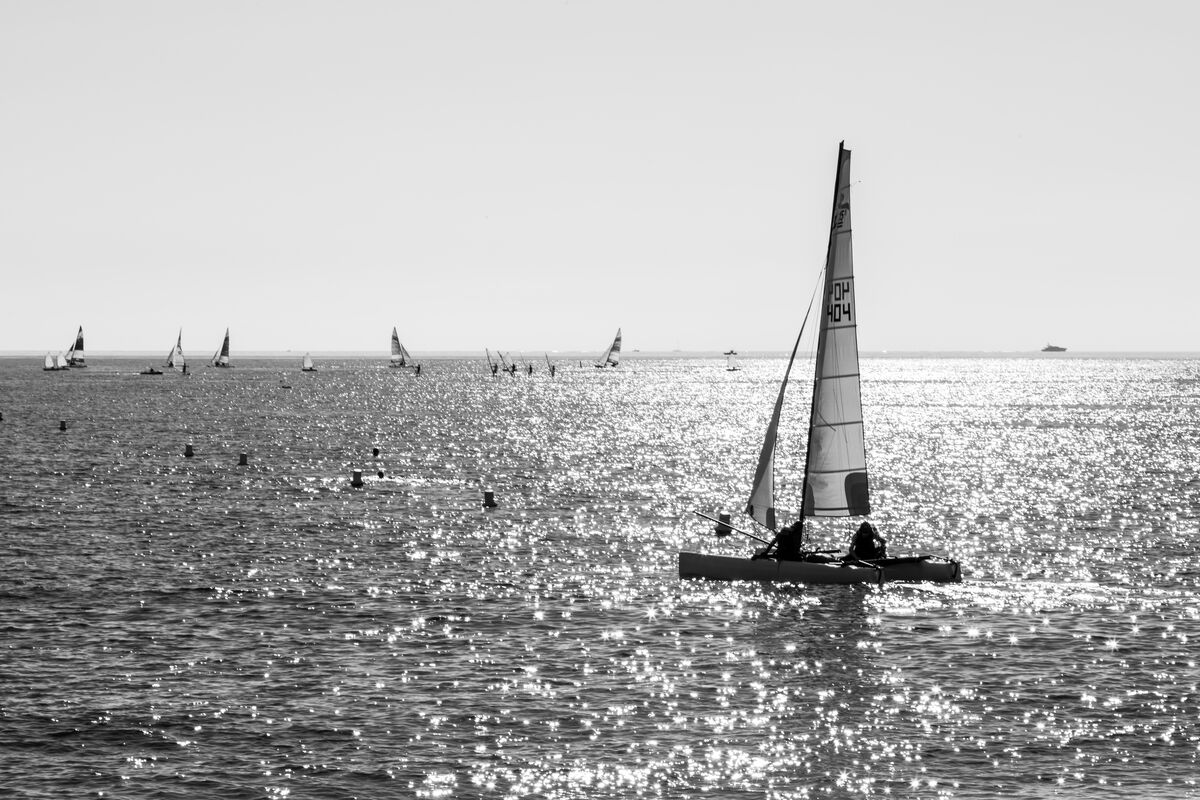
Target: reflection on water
189	625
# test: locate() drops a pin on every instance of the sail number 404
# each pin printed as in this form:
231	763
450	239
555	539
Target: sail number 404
840	307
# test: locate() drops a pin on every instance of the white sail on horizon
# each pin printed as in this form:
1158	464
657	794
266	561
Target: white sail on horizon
75	353
221	357
612	356
175	359
400	356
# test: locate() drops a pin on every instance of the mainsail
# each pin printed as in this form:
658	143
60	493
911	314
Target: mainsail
75	354
221	357
306	364
612	356
835	473
175	358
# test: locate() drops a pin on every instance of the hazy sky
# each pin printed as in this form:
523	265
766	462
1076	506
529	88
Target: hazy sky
531	175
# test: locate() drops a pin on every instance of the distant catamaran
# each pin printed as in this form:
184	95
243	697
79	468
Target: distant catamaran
612	355
75	354
54	363
175	359
221	357
400	355
731	362
306	365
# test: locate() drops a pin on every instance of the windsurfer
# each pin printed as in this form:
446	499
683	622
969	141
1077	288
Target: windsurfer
867	543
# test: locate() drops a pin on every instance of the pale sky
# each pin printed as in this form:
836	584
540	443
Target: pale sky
531	175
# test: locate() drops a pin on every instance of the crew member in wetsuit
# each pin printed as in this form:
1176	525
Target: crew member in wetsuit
786	546
867	544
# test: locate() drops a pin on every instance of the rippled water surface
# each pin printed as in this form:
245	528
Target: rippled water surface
189	627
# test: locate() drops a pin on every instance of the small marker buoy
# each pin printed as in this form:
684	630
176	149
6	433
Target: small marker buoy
187	451
243	460
62	425
489	499
356	479
375	453
380	473
722	528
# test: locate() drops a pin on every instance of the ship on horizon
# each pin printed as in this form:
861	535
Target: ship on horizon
1053	348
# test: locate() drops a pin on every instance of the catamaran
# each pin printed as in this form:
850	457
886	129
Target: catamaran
400	355
221	357
611	356
175	359
75	354
835	470
731	362
306	364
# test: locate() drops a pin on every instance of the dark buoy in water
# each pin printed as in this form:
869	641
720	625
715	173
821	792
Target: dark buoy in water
722	528
489	499
243	460
356	479
187	451
62	424
375	453
380	473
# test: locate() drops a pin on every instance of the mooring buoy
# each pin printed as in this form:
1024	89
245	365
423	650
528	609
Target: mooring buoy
62	424
722	528
243	460
375	452
489	499
188	452
356	479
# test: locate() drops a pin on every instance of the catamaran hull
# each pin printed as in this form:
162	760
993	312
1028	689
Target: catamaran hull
726	568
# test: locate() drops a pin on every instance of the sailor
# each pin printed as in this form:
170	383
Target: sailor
787	542
786	546
867	543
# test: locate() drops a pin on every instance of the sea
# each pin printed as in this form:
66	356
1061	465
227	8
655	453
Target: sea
180	627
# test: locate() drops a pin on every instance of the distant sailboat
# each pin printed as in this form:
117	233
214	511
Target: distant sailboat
54	363
75	354
306	365
507	364
731	362
221	357
612	355
493	367
175	359
400	354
